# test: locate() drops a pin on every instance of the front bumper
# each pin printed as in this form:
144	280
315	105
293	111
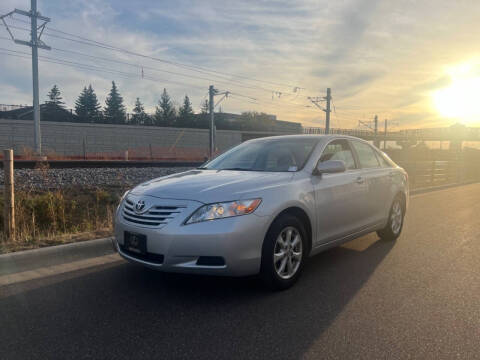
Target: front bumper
238	240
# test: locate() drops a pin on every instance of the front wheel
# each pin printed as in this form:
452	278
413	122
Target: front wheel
284	252
395	221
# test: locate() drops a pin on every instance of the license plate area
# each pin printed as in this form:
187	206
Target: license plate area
136	243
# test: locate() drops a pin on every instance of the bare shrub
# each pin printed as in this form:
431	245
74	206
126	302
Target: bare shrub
50	215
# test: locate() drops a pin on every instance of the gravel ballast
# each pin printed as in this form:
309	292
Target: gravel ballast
55	179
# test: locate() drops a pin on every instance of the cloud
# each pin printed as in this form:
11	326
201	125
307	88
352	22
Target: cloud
379	57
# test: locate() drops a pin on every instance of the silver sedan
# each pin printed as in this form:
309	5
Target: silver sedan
263	207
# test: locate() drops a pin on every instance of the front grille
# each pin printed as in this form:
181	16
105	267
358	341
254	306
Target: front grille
156	216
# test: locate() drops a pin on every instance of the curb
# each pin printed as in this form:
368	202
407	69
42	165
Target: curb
54	255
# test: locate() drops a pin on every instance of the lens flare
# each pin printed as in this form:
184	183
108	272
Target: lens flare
460	99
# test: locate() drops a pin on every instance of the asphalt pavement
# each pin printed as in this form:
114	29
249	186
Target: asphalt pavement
416	298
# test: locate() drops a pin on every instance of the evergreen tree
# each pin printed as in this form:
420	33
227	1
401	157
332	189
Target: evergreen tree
139	116
87	106
185	114
114	112
54	109
81	105
165	112
54	97
204	109
202	121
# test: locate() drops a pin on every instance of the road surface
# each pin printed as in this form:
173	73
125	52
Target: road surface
416	298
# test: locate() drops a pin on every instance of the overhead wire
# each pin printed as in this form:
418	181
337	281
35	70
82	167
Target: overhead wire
26	55
229	81
128	75
90	42
94	67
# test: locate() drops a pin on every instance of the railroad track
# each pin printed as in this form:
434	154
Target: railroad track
65	164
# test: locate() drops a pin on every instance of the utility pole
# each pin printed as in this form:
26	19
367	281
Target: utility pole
315	101
327	111
211	94
375	129
34	43
211	108
368	124
36	101
9	195
385	133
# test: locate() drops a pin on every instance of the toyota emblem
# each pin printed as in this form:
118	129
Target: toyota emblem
140	206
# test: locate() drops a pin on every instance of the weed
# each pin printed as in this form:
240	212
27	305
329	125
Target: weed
44	216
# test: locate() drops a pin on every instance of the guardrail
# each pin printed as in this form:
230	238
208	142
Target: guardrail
441	134
425	174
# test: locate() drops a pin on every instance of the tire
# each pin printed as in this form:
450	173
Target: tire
393	229
284	255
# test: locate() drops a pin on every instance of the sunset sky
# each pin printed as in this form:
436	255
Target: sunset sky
416	63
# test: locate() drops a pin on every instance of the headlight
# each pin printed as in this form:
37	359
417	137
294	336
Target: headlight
223	210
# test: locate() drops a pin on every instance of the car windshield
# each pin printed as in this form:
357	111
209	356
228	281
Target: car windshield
276	155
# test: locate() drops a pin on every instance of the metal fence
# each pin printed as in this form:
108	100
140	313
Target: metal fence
425	174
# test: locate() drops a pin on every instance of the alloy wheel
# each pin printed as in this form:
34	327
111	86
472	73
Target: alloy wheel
288	252
396	217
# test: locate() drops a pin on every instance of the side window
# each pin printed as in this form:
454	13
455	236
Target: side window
366	155
383	162
339	150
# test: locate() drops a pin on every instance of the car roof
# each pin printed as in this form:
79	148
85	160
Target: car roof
307	136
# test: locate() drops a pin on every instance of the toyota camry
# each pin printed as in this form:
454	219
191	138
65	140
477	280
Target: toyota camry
263	207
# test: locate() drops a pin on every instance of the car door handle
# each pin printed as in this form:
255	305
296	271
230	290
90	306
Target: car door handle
360	180
391	174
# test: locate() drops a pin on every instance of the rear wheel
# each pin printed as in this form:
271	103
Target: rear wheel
395	221
284	252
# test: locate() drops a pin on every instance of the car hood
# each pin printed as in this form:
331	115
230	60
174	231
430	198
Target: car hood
209	186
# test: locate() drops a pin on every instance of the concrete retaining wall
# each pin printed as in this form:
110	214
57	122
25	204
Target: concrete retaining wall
72	139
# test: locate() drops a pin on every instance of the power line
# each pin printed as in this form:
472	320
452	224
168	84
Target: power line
94	67
155	69
108	47
188	67
59	62
91	42
127	75
132	64
277	93
267	103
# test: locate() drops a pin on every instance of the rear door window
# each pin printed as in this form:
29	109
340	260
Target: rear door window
366	155
383	161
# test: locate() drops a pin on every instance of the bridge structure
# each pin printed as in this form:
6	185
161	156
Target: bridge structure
453	134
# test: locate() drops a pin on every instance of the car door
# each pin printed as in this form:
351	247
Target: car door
340	197
376	180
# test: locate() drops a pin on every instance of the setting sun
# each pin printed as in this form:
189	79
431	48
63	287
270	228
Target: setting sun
460	99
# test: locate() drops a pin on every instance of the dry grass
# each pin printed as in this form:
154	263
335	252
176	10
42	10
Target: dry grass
56	217
27	244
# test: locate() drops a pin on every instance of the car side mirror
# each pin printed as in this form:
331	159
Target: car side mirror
329	167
